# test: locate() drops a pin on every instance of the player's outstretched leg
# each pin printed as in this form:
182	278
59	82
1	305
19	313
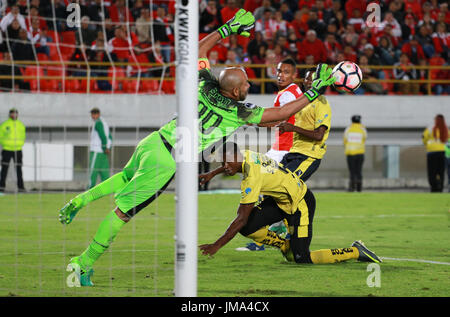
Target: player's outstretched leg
106	234
82	274
365	255
111	185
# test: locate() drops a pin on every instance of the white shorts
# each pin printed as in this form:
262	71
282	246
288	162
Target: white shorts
276	155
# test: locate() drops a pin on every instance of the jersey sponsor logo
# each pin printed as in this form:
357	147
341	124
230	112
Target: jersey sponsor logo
248	190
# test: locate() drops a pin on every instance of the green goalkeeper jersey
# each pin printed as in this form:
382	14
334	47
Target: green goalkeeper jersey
218	116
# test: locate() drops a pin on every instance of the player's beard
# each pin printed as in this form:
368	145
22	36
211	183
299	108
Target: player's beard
243	95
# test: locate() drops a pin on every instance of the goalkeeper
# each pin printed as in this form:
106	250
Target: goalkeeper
152	166
286	197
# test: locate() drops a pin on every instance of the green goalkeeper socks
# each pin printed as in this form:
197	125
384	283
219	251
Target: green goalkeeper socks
106	233
112	185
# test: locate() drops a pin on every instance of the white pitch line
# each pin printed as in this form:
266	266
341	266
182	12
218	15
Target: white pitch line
416	260
117	251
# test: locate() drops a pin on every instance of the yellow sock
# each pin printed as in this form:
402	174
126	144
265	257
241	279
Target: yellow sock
265	236
334	255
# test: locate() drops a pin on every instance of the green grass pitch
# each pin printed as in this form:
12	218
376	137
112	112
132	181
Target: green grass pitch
411	230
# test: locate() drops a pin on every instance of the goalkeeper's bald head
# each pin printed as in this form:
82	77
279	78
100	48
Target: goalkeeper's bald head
233	82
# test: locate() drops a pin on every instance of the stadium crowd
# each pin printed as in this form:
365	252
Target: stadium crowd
409	33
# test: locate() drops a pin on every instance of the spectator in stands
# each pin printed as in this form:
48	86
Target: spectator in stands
350	54
427	21
369	73
298	25
439	74
434	138
12	84
356	20
162	33
393	23
109	29
254	44
232	58
422	74
100	55
414	50
340	22
97	12
14	14
85	35
136	10
311	45
425	40
331	12
271	71
38	37
385	50
265	25
350	37
286	12
121	44
12	139
441	40
12	32
3	45
314	23
79	69
234	45
143	24
374	58
22	50
210	18
332	47
34	13
414	7
279	26
408	27
252	5
260	11
229	10
403	71
120	13
397	11
351	5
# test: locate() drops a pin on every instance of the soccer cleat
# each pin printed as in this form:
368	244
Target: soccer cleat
251	247
365	255
69	211
288	254
82	275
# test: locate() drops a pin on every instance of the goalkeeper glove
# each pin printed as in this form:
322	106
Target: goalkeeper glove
321	80
241	24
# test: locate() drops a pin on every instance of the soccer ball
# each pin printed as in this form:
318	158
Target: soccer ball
348	76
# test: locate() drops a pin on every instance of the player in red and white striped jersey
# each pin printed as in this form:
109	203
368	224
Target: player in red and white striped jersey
288	91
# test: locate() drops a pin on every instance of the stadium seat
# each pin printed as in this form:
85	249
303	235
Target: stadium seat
68	42
35	72
72	85
114	73
131	86
168	87
149	86
55	85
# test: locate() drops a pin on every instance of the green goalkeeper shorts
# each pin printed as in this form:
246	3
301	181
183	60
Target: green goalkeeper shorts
149	171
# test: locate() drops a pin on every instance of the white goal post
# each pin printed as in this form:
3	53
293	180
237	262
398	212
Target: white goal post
186	48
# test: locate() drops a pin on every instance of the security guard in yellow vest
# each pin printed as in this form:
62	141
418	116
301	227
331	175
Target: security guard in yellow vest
12	139
354	142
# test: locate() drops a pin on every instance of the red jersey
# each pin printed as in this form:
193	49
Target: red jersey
284	141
